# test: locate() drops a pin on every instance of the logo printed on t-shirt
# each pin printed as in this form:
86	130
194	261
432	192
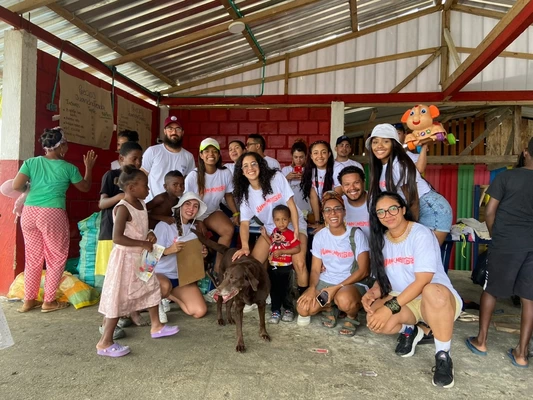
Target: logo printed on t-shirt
358	223
221	188
399	260
273	199
336	253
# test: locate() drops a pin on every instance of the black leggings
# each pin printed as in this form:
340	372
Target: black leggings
280	290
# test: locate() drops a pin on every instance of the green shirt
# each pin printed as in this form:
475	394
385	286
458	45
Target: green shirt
49	181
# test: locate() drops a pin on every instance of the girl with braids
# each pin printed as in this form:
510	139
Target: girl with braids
214	183
44	220
123	291
294	173
427	206
173	238
319	176
411	284
258	189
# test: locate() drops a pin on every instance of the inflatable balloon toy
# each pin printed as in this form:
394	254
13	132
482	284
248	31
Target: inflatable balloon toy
420	120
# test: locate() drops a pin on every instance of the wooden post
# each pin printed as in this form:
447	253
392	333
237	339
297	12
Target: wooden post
517	130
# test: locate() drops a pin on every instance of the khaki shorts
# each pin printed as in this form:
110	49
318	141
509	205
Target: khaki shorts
415	307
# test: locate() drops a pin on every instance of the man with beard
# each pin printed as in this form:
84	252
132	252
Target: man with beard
165	157
352	180
343	148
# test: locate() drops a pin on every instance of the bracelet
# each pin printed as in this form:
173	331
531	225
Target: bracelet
150	231
393	305
236	214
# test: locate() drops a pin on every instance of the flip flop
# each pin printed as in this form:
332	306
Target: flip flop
467	317
165	331
61	305
24	310
115	350
513	360
474	349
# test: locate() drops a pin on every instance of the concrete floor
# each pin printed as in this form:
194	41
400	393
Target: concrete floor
54	357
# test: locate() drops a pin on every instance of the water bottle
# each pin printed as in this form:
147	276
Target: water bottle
6	340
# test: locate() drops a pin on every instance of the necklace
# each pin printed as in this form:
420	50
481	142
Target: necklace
402	236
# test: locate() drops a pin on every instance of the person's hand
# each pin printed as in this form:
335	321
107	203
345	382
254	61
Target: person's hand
322	268
146	245
293	176
318	227
205	251
307	298
377	320
239	253
277	253
235	220
151	237
332	292
200	227
89	159
263	232
296	235
168	219
368	299
424	148
175	247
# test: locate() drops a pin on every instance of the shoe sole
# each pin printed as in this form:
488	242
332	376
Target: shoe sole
449	385
418	338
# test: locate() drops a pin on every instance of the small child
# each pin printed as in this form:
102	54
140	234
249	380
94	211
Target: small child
160	207
123	291
282	246
124	136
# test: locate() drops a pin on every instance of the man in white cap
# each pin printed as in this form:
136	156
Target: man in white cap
165	157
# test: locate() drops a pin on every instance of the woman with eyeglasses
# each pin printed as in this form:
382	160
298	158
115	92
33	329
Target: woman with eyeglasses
340	264
258	189
391	169
411	284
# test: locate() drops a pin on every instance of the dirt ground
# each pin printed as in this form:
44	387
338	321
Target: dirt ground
54	357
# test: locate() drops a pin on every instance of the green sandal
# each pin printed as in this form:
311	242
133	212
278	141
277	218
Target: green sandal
329	318
350	329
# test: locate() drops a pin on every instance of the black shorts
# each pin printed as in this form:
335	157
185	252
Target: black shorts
510	274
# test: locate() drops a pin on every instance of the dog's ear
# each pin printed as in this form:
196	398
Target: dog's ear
251	278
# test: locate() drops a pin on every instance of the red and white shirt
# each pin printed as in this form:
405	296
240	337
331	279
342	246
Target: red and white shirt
281	241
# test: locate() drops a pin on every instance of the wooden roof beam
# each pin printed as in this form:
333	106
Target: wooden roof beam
451	47
416	72
449	4
29	5
214	30
353	15
519	17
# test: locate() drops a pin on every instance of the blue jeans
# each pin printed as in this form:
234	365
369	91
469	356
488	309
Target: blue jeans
435	212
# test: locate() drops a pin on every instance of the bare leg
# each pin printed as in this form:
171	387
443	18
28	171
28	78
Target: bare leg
190	300
526	329
218	222
438	310
260	251
298	261
107	338
154	318
486	308
441	237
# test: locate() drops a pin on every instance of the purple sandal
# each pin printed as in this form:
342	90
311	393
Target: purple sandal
166	331
115	350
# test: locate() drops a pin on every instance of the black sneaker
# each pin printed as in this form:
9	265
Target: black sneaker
443	370
427	339
407	342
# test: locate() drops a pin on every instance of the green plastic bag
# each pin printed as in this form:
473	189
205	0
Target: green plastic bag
89	230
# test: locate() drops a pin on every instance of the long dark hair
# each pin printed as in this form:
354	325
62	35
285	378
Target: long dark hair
299	145
377	240
241	182
200	180
307	178
407	173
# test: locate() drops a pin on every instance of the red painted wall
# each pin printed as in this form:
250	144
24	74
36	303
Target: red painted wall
280	127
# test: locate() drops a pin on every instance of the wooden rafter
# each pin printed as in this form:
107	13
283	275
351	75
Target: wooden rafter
518	19
486	133
353	15
307	50
416	72
444	54
314	71
451	47
29	5
208	32
233	14
449	4
504	54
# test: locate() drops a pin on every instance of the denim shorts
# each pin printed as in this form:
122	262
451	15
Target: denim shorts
174	282
435	212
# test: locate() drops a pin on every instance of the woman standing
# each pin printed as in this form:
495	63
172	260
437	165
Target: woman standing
294	172
235	149
411	284
427	206
258	189
44	220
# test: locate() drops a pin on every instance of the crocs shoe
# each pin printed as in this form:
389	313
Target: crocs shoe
303	321
115	350
165	331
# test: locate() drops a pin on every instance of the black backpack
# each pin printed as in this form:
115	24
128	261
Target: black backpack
479	274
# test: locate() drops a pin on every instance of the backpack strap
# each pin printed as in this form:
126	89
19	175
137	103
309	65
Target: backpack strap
355	265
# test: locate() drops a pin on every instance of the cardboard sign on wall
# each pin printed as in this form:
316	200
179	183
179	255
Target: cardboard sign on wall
134	117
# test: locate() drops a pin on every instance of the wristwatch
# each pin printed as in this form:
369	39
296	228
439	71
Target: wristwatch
393	305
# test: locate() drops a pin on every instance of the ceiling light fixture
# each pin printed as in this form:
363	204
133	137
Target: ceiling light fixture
236	27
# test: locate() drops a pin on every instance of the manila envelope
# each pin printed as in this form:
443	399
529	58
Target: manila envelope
190	263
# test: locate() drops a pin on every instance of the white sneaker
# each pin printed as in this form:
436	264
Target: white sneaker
248	308
166	305
268	300
303	321
162	314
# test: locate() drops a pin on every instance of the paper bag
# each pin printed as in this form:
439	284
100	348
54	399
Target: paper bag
190	263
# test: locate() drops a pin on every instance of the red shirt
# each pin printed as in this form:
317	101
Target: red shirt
281	241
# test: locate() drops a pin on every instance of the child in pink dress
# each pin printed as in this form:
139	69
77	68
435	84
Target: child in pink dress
123	292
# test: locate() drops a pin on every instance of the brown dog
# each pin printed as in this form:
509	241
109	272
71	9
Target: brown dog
247	276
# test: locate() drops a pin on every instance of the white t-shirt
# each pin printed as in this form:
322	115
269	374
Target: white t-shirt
262	208
158	161
295	186
358	217
115	165
166	235
419	252
413	156
231	168
421	184
272	163
336	253
318	175
216	186
339	165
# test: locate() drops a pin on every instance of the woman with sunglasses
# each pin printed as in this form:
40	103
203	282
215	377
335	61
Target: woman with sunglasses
393	170
258	189
411	284
336	272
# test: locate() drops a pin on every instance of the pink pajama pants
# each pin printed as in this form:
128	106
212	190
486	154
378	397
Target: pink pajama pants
46	238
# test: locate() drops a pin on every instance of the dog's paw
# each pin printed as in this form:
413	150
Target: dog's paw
240	348
231	321
221	322
265	336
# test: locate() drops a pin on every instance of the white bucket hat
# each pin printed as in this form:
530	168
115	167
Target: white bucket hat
384	131
192	196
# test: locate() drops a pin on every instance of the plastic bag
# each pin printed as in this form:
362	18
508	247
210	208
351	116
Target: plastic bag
6	339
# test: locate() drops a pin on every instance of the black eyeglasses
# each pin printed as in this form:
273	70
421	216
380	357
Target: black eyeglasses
392	210
330	210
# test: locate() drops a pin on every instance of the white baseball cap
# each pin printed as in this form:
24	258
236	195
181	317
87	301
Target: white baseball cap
192	196
384	131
